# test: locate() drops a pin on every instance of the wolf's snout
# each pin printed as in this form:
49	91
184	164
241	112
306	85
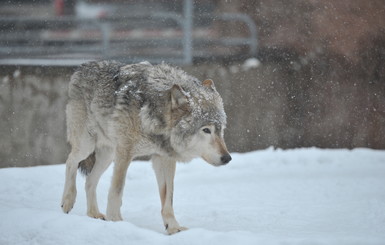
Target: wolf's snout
225	159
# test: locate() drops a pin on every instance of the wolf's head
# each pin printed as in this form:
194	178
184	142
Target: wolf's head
199	120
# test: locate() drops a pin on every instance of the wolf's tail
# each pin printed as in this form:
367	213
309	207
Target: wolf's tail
87	164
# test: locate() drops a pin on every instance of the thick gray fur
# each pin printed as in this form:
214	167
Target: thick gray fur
117	112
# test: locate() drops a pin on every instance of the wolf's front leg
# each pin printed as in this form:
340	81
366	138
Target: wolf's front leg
117	185
164	168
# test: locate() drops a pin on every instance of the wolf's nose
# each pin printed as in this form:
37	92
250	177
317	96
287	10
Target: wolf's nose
226	158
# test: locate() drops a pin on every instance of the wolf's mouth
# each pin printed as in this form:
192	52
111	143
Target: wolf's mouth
225	159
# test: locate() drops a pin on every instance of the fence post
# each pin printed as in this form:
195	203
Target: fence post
188	7
106	32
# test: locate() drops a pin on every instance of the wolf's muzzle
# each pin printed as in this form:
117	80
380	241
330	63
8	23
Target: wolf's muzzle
225	159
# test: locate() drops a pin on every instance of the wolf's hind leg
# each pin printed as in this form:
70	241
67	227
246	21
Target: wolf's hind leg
69	193
104	156
165	171
82	145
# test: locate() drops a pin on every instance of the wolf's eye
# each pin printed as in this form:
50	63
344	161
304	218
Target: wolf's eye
207	130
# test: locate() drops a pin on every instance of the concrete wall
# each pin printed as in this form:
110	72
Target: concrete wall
32	102
328	104
281	105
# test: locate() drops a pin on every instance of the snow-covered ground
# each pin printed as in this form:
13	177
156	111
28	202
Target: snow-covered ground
303	196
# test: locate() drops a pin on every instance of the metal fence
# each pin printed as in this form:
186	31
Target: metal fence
169	37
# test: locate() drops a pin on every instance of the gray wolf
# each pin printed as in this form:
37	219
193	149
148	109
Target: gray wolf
117	112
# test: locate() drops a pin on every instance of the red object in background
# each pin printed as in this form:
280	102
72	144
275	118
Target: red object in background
59	7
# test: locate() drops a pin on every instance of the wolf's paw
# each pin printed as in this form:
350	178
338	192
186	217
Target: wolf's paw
114	217
68	203
97	216
173	230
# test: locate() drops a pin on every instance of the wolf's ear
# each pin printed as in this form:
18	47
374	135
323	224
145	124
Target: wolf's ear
178	97
208	83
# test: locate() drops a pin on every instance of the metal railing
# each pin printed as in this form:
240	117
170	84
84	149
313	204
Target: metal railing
168	37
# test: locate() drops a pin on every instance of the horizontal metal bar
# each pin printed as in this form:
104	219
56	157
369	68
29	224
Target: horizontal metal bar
34	38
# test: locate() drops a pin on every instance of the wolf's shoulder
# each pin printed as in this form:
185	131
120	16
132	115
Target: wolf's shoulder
165	76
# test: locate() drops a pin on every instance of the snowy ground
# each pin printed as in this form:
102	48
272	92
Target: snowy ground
304	196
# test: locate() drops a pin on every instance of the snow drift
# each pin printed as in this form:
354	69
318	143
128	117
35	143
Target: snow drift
302	196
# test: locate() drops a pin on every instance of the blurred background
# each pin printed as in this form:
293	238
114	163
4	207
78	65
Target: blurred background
301	73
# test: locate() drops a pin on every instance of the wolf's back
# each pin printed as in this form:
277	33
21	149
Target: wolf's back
93	77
